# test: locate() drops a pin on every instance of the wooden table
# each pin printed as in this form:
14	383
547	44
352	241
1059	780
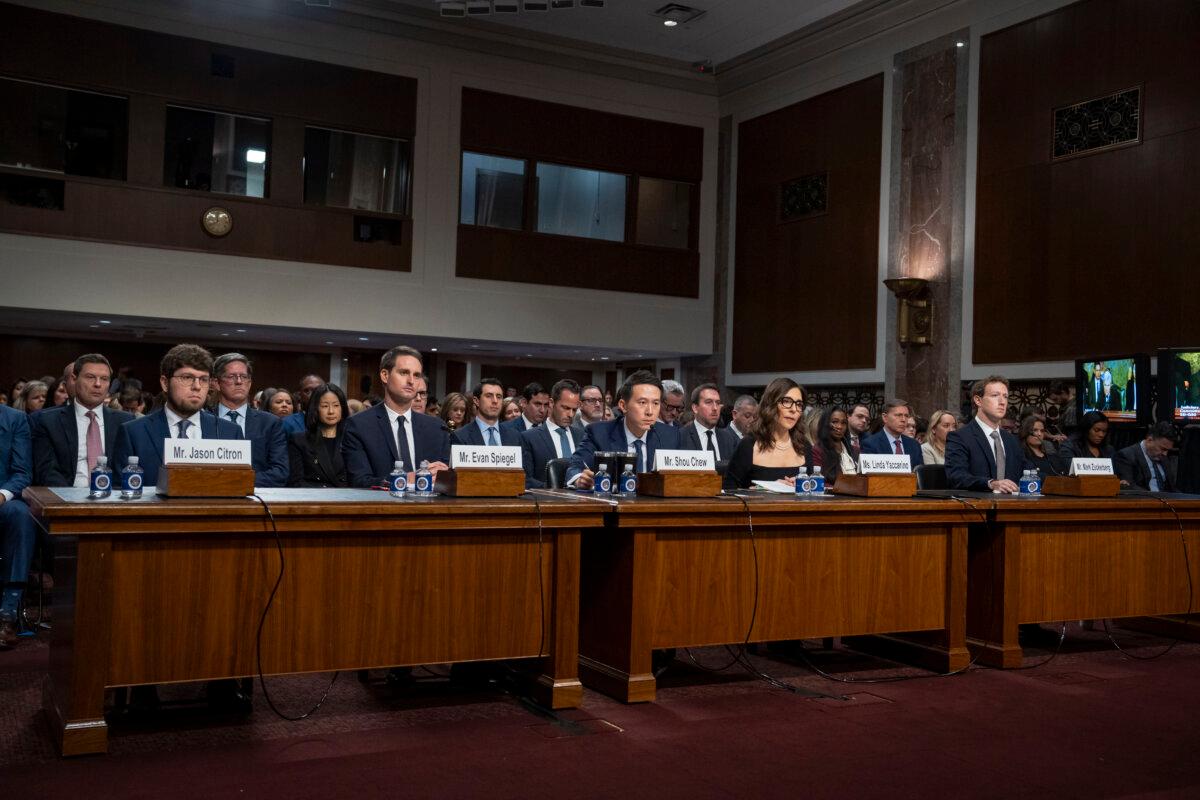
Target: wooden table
681	573
1048	559
157	591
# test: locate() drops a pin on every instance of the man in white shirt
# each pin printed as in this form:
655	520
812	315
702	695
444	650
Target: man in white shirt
982	456
268	444
486	429
535	405
703	433
421	398
672	402
745	411
591	405
557	437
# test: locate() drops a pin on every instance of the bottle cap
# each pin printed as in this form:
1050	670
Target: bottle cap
101	461
398	465
424	465
133	461
604	467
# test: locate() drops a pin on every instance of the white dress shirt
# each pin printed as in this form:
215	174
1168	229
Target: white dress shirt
241	412
554	437
408	433
82	475
703	431
193	431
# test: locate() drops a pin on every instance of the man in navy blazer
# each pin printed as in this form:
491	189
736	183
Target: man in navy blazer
16	524
557	437
373	440
535	404
486	429
706	413
638	429
268	445
61	456
184	375
971	452
895	417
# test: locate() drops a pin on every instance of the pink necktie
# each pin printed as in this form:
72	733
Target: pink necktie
899	451
95	448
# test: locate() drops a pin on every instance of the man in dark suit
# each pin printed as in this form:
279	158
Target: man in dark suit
294	423
557	437
268	444
637	429
672	403
1146	465
535	404
486	429
891	439
375	439
68	439
16	524
702	433
745	411
973	452
184	375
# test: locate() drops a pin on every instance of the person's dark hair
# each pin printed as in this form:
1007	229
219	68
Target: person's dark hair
389	358
532	389
857	406
1060	387
1027	428
486	382
583	389
565	385
979	386
695	398
130	395
640	378
833	456
895	402
312	414
91	358
225	360
54	390
268	394
185	355
763	430
1163	430
1086	423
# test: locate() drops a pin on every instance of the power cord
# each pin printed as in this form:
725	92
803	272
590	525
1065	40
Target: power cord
541	587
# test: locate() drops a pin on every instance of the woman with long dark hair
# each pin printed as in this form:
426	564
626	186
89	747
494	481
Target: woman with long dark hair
775	447
1033	439
831	452
1090	440
316	452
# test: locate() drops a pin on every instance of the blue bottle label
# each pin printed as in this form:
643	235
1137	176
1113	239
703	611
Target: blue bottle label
604	486
101	482
133	481
423	483
630	485
806	485
400	483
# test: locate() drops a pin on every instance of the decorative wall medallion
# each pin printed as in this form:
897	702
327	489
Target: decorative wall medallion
803	197
217	221
1114	120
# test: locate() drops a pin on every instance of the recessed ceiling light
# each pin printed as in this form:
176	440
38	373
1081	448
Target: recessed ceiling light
239	330
105	322
960	44
328	342
224	334
604	358
364	339
433	349
93	326
670	23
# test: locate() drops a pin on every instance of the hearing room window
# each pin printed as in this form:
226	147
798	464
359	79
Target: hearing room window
67	131
354	170
493	191
214	152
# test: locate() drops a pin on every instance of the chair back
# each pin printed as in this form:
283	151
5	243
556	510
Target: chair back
556	472
932	476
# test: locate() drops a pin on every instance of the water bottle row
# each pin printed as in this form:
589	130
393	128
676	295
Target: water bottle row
422	481
602	483
101	481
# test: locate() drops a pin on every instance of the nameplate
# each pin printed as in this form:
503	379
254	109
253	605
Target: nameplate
480	456
685	460
226	452
1091	466
871	464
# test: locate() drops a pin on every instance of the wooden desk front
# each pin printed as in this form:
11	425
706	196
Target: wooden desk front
157	591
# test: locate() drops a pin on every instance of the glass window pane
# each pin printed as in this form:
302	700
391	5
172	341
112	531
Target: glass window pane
664	212
493	191
63	130
353	170
581	202
213	152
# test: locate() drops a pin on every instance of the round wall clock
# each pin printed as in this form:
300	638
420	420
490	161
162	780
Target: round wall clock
217	221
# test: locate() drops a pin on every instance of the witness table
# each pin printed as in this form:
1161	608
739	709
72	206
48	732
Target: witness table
682	573
1047	559
158	590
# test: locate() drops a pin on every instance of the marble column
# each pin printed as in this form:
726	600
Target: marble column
925	220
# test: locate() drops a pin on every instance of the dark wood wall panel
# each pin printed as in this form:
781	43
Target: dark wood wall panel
804	291
1094	253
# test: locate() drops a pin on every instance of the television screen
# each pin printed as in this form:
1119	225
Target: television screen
1179	371
1113	386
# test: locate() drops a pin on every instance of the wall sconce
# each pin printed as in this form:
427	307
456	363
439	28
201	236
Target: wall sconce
915	317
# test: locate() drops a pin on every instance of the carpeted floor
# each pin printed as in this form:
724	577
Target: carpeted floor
1090	723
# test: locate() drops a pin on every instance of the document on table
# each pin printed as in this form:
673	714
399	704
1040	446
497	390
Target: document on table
778	487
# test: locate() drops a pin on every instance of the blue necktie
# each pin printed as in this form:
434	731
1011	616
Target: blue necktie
491	437
641	462
183	426
402	441
566	443
233	417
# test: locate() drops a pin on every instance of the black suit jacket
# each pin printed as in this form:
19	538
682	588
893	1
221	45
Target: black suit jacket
609	437
971	462
144	438
470	434
727	440
518	424
369	445
538	449
312	468
56	443
1130	466
268	447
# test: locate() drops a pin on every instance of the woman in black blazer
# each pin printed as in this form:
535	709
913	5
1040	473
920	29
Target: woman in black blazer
316	452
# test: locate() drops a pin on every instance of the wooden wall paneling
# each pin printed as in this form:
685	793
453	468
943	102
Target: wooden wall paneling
456	376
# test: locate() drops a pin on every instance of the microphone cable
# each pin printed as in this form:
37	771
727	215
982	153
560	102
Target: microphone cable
541	586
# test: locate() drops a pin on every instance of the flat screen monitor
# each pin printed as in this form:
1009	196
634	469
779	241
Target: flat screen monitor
1117	386
1179	384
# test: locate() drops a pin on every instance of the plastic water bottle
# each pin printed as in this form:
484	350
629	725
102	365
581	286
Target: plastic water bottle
602	482
131	480
628	485
101	480
1030	482
424	481
818	481
805	484
398	481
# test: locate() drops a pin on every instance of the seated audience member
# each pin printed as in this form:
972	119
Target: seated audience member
3	398
982	456
17	528
775	447
857	421
702	433
68	439
557	437
1063	421
131	401
488	397
511	391
433	408
672	404
832	451
277	402
184	375
376	439
609	414
315	456
455	411
535	405
591	405
745	411
910	428
639	429
1146	465
15	393
256	401
933	449
809	422
59	394
1033	438
1089	441
33	397
509	409
421	401
1010	424
294	422
68	381
268	444
890	439
354	405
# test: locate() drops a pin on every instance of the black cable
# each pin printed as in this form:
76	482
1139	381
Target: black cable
541	587
263	619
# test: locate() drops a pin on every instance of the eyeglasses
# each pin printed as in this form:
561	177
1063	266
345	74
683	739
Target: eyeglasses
592	400
671	407
234	379
194	380
423	394
789	403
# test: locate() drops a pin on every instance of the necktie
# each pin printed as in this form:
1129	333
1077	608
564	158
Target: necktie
641	462
491	437
899	449
565	442
183	426
998	449
710	447
233	417
402	442
95	448
1160	476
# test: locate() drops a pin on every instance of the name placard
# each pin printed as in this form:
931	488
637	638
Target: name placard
871	464
479	456
1091	466
681	460
206	451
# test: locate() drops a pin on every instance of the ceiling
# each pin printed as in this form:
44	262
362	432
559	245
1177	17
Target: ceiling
728	29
